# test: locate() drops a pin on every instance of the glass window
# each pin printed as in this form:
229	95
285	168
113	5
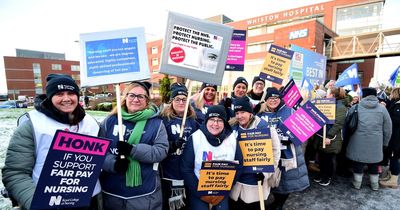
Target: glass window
154	50
154	62
260	47
75	68
76	77
56	67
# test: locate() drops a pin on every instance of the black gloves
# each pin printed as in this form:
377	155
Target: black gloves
260	177
257	108
227	103
121	165
177	144
124	148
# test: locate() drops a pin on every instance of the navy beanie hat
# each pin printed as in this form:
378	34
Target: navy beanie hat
146	85
368	92
204	85
178	89
272	92
257	78
242	104
60	82
240	80
216	111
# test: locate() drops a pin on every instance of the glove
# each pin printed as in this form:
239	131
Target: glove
227	103
121	165
257	108
124	148
260	177
177	144
213	200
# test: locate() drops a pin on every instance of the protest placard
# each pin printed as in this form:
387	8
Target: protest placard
237	51
112	57
276	64
291	95
328	107
302	124
256	146
70	172
216	177
308	64
195	49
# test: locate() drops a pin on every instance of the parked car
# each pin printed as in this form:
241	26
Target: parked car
13	104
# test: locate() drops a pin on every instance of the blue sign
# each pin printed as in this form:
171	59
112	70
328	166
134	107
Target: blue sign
112	56
348	77
313	65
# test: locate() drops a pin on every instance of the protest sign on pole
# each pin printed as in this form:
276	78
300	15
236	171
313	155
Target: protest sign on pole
307	64
256	146
70	172
216	177
195	49
328	107
112	57
302	124
276	64
237	51
291	95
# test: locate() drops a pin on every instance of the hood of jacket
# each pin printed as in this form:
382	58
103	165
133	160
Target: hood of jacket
369	102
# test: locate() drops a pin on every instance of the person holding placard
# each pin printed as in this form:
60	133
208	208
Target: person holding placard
333	140
205	98
212	142
130	177
244	194
31	141
239	90
257	91
294	175
171	178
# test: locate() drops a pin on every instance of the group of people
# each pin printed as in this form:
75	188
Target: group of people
158	164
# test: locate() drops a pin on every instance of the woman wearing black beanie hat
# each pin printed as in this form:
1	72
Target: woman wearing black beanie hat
240	87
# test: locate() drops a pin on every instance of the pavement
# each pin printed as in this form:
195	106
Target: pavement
341	195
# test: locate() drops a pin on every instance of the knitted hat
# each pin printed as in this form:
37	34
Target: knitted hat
242	104
146	85
272	92
178	89
257	78
204	85
216	111
368	92
60	82
240	80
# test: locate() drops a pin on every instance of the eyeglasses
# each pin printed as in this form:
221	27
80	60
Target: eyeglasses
218	121
177	100
273	98
132	96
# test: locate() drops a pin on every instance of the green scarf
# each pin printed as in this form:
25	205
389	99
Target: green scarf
133	174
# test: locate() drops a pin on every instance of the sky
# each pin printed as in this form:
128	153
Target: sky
55	25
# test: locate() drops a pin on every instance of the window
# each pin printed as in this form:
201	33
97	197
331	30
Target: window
260	47
75	68
154	50
56	67
76	77
37	75
154	61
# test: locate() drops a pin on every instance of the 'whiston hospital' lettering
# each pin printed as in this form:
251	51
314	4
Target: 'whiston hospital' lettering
286	14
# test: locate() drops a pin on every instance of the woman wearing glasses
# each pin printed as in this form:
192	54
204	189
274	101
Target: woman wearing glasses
130	177
213	141
294	175
171	178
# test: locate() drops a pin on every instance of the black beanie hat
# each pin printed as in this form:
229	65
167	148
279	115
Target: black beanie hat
178	89
242	104
146	85
204	85
272	92
368	92
60	82
240	80
216	111
257	78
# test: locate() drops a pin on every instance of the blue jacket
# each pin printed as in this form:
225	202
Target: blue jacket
151	149
170	166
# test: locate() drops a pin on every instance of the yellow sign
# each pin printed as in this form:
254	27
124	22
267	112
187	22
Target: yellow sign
257	152
213	180
276	65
